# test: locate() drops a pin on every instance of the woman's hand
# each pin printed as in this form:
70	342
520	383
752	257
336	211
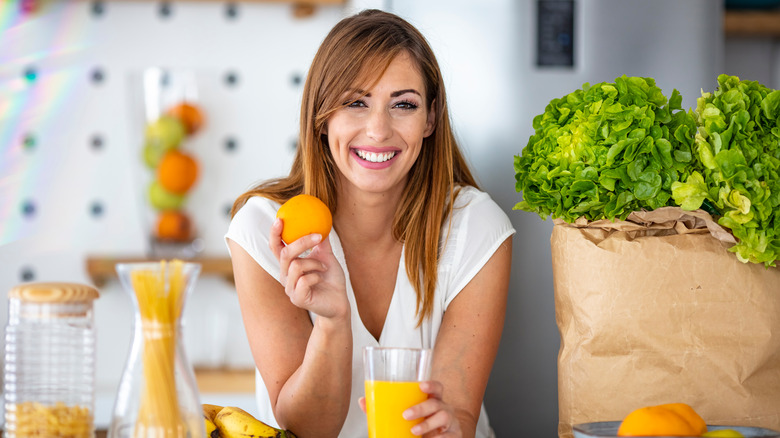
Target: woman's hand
314	282
440	420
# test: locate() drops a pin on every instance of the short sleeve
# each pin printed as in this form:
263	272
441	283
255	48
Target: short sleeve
250	228
479	226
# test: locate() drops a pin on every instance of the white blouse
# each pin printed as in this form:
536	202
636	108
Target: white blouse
479	226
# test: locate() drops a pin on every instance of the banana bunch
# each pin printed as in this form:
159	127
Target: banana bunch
233	422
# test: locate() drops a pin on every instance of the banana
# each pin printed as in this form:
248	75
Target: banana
234	422
209	412
211	429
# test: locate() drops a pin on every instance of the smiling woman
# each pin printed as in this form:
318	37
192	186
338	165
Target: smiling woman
381	129
418	256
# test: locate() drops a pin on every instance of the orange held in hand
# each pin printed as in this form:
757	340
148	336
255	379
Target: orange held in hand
177	171
303	215
671	419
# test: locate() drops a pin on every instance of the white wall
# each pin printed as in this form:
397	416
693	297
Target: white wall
85	198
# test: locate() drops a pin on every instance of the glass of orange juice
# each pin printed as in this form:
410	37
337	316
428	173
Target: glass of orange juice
393	377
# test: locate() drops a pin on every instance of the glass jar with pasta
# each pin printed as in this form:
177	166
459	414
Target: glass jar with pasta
158	396
49	370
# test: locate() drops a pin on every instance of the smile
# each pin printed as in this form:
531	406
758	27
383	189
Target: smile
375	157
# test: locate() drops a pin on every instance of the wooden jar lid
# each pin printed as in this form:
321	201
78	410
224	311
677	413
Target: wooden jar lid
54	292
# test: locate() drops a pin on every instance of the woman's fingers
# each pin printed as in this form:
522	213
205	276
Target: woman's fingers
275	238
440	420
289	253
362	403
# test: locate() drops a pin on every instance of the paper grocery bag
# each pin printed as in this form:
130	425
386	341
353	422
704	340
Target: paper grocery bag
655	310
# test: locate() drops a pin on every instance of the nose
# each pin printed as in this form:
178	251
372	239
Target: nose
379	126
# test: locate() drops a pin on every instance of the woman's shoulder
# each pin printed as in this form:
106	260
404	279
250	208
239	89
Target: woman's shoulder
257	213
258	205
476	220
471	202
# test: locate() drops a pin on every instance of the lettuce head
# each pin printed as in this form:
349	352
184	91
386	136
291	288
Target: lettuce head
736	165
606	150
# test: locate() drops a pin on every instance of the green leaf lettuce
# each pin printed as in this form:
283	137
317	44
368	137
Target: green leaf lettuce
606	150
736	166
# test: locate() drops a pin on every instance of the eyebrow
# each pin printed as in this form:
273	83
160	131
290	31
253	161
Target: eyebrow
393	94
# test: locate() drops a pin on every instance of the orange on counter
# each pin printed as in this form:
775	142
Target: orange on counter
671	419
190	116
303	215
174	225
177	171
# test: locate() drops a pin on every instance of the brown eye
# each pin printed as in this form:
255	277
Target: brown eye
406	105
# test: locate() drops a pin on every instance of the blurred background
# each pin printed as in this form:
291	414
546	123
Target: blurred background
74	183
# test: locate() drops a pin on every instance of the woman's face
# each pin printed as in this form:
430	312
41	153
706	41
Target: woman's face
376	139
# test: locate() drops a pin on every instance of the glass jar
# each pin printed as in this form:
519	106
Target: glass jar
49	376
158	395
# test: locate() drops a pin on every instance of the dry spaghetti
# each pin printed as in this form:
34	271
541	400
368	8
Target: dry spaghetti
160	308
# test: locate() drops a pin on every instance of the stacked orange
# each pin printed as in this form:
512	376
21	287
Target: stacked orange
175	170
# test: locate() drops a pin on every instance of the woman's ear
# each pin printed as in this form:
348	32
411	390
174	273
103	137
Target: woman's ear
430	124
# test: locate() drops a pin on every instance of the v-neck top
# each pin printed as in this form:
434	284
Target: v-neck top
478	228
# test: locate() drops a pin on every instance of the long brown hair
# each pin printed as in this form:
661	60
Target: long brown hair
356	52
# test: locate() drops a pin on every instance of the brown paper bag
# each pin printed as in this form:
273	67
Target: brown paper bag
655	310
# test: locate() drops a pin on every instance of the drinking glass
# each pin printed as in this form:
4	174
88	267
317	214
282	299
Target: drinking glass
393	377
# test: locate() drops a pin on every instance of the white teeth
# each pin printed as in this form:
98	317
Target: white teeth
375	157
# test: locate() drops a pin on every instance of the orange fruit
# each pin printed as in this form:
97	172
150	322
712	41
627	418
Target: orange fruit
174	225
671	419
189	115
303	215
177	171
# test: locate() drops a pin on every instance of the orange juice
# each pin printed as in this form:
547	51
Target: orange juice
385	402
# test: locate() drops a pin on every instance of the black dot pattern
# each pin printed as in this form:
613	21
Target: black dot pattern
26	274
29	142
96	209
165	10
28	209
97	76
30	74
98	9
231	11
231	144
165	79
96	142
231	79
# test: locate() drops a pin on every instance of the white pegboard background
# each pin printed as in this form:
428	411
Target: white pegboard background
71	174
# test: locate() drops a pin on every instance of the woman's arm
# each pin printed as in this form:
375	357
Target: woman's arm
465	350
306	367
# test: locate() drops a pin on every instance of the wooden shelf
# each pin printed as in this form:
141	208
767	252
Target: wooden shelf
225	380
102	269
757	23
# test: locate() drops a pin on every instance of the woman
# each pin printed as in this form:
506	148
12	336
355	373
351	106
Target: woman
404	265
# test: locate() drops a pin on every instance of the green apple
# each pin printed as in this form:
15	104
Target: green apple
162	199
165	133
152	154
